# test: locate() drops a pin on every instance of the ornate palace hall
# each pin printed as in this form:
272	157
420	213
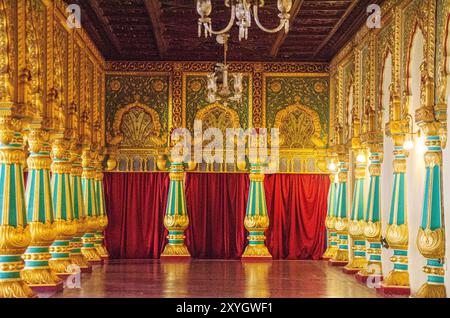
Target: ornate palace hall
224	149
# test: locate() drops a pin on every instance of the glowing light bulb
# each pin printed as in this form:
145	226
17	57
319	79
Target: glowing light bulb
332	167
361	158
408	145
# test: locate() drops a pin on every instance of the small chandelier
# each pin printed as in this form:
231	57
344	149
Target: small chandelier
218	85
241	13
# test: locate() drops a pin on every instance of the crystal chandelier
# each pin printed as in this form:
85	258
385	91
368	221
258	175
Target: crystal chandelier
241	13
218	84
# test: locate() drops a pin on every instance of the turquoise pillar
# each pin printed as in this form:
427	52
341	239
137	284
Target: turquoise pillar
256	218
356	226
101	211
431	237
341	224
37	273
331	218
90	208
372	228
397	281
14	234
76	244
176	219
65	226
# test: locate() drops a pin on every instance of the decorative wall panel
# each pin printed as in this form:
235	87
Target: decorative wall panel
291	96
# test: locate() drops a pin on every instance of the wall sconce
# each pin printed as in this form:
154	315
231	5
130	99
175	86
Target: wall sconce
408	145
361	158
332	167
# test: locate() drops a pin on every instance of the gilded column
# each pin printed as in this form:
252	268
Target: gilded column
256	219
90	208
14	234
431	236
341	224
397	281
176	220
101	210
372	228
329	222
37	273
76	244
65	225
356	226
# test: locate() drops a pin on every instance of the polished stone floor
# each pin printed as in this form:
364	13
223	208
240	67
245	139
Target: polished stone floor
216	279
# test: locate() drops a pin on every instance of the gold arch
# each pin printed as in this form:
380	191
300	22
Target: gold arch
117	134
418	26
201	114
316	138
384	56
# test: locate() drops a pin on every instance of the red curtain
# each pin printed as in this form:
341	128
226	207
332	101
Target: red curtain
216	203
297	206
136	204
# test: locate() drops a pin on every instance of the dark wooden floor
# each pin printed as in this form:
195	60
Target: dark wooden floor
217	279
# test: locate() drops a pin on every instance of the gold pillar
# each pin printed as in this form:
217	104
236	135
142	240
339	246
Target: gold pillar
14	233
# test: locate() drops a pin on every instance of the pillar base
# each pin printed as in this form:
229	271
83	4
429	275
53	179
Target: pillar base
15	289
80	261
61	267
362	278
431	291
330	253
48	289
42	280
350	271
101	250
256	252
337	263
91	256
386	290
355	266
178	251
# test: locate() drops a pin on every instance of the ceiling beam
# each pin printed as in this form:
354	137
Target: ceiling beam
154	13
281	37
336	27
105	25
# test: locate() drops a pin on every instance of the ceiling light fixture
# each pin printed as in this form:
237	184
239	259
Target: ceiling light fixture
241	13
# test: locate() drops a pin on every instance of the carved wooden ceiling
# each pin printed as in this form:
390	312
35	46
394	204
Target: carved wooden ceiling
167	30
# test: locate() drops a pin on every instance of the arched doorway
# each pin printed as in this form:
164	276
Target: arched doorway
415	172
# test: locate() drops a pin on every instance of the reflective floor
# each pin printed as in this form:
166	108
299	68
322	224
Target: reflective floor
217	279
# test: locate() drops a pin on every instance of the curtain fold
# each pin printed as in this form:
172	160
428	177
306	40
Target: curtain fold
216	203
136	204
297	206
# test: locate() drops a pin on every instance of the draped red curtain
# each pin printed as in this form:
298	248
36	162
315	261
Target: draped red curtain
216	203
297	206
136	204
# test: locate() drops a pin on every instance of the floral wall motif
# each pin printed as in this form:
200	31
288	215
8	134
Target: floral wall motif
153	91
311	91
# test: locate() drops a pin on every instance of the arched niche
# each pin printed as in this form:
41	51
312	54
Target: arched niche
299	127
137	126
415	172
